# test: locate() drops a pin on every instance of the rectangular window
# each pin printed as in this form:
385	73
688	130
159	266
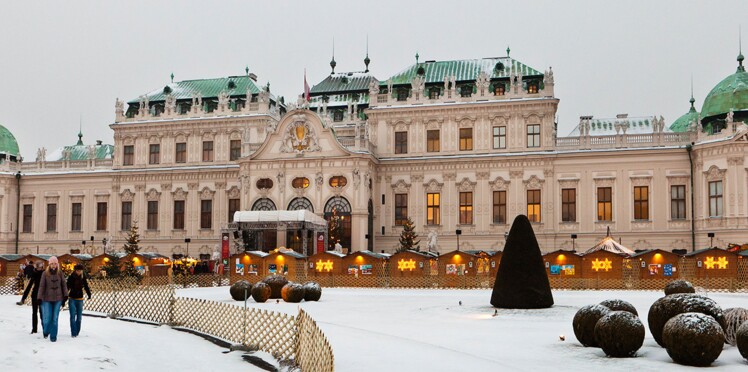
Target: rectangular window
433	216
499	137
466	208
75	219
401	142
604	204
715	199
641	202
154	154
233	208
101	216
51	217
533	135
126	216
235	151
207	150
466	139
569	205
128	155
533	205
181	153
432	141
152	215
499	207
401	209
678	202
206	214
27	218
179	215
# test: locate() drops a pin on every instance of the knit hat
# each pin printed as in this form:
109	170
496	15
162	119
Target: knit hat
53	259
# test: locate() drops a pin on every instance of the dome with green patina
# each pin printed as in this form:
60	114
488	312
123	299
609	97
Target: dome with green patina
684	122
8	144
731	94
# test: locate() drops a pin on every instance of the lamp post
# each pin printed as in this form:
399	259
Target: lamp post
711	239
573	242
458	232
187	241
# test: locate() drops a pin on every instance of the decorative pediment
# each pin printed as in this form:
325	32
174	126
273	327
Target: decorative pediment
233	192
641	180
605	181
179	194
127	195
568	183
401	187
154	139
434	124
165	187
206	193
152	195
208	135
466	185
533	183
678	179
715	174
499	184
433	186
299	137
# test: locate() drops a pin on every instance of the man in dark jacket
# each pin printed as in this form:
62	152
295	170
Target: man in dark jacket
28	271
76	284
33	287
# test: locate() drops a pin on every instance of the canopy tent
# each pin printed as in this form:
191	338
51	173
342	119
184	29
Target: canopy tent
611	245
303	220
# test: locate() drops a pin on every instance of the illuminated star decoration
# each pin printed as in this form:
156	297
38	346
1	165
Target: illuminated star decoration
406	265
324	265
720	263
605	264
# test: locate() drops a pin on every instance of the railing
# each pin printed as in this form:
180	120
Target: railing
624	140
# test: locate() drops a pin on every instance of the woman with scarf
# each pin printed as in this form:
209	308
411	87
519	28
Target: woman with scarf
53	292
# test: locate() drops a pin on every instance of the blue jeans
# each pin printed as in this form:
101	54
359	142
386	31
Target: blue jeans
76	313
50	315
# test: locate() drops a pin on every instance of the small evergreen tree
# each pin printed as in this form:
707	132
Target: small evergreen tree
409	238
132	240
112	267
335	229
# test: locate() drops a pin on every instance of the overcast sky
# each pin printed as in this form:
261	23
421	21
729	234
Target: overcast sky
63	60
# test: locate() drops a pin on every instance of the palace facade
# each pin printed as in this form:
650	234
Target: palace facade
460	147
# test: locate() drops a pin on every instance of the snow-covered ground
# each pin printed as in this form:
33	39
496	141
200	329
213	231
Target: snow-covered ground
369	329
427	330
106	344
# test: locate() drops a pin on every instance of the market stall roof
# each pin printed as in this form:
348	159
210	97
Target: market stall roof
611	245
279	216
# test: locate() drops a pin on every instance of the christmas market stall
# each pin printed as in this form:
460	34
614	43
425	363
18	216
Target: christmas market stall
494	261
325	264
249	266
287	262
68	262
309	231
715	264
364	268
459	269
412	268
604	263
157	264
656	264
10	264
562	264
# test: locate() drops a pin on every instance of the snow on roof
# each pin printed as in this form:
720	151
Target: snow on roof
279	216
611	245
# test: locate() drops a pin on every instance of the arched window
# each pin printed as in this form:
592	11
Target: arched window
298	204
338	181
402	94
532	87
499	89
342	209
300	183
263	204
434	93
466	90
264	183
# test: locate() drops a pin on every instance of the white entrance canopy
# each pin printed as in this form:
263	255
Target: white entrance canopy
279	217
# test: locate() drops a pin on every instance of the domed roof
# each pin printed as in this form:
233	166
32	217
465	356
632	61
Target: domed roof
8	143
682	123
730	94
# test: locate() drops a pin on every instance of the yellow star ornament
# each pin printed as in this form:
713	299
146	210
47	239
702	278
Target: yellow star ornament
323	265
605	264
403	265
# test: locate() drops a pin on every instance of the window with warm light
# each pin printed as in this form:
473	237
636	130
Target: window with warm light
300	183
604	204
533	205
466	208
338	181
401	142
532	87
432	141
678	202
466	139
715	199
433	216
401	209
499	89
569	205
499	207
641	202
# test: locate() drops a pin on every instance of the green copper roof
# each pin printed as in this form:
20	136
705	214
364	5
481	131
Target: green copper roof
80	152
730	94
8	143
343	82
206	87
682	123
463	70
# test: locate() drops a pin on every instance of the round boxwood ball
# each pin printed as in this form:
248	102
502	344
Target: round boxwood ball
693	339
741	339
619	305
584	323
237	290
276	283
261	292
619	333
669	306
679	286
734	317
312	291
292	292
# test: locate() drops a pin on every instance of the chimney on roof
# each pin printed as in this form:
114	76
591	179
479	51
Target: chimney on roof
253	76
622	116
98	142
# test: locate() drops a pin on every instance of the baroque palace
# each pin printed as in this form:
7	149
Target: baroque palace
461	147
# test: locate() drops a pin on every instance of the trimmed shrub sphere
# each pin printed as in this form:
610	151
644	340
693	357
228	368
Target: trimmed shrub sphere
620	305
584	323
312	291
693	339
734	318
620	334
679	286
261	292
276	283
741	339
669	306
292	292
237	290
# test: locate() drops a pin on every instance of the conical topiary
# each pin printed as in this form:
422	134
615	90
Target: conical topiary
521	282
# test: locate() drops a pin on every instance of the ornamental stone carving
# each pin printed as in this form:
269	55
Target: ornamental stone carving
356	178
516	173
233	192
605	182
482	176
739	160
220	185
300	137
417	178
166	187
152	195
127	195
192	186
319	179
450	176
206	194
533	183
433	186
179	194
568	184
466	185
641	180
714	173
401	187
499	184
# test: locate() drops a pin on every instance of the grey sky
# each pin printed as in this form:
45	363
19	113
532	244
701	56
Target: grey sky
64	59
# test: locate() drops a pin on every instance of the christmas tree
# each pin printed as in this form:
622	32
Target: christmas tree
408	238
336	229
112	267
133	238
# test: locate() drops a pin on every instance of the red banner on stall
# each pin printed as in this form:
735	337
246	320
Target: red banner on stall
320	243
225	246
